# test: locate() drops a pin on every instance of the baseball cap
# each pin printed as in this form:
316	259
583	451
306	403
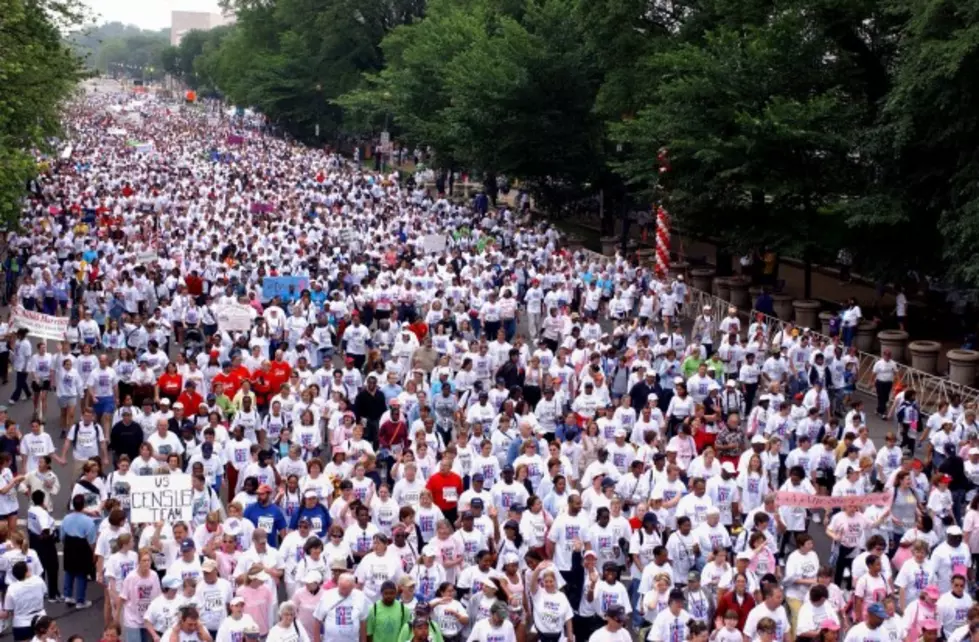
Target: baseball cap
187	545
171	583
310	493
953	530
931	591
338	565
728	467
829	625
209	566
929	624
237	600
264	488
478	477
878	610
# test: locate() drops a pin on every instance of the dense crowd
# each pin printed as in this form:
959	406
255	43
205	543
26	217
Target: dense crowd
498	440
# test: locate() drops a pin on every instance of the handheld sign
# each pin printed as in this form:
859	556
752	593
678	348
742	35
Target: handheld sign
161	498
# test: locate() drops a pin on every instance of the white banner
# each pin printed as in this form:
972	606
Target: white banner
433	243
161	498
42	326
116	131
235	317
147	256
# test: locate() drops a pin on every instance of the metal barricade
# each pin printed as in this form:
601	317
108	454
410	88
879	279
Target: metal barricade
930	389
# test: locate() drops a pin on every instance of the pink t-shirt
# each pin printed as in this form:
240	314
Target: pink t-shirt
138	592
258	603
305	606
226	564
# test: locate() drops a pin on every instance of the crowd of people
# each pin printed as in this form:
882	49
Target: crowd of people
498	440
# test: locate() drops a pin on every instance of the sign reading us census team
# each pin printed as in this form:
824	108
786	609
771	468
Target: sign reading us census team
161	498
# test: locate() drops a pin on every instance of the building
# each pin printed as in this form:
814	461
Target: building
183	21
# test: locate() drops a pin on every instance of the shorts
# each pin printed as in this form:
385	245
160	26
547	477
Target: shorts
104	406
8	515
39	387
67	402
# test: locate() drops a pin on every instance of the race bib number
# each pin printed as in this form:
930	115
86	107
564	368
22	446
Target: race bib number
450	494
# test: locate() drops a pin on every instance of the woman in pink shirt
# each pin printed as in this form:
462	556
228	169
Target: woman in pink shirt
306	598
259	600
227	556
138	590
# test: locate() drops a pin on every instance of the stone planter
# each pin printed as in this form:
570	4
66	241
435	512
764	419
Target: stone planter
678	268
865	336
702	279
924	355
783	306
962	366
610	244
739	292
806	313
723	287
824	319
894	340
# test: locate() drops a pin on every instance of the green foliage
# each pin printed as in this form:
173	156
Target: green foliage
38	71
123	51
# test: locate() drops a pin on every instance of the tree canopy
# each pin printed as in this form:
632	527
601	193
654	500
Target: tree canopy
805	126
38	71
122	51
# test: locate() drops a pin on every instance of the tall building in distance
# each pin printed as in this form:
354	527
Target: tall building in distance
183	21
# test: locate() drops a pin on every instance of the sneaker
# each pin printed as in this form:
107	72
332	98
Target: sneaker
70	601
56	599
87	604
11	402
817	518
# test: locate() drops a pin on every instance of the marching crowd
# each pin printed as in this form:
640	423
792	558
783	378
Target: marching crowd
494	440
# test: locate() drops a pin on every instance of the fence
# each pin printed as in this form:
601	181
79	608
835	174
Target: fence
930	389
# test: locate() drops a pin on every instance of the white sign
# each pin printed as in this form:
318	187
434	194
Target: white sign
42	326
145	148
433	243
235	317
66	152
116	131
148	256
385	138
161	498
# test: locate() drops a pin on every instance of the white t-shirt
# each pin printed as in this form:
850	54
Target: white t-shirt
762	611
341	616
604	635
292	633
668	627
564	530
551	611
483	631
25	600
162	612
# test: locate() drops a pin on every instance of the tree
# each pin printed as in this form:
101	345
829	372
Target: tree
122	50
38	71
756	122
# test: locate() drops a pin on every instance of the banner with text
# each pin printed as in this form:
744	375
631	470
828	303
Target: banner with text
161	498
805	500
287	287
235	317
42	326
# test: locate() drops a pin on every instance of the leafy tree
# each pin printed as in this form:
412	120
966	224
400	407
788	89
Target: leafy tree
38	71
122	50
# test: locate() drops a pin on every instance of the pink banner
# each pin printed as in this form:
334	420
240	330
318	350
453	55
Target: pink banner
805	500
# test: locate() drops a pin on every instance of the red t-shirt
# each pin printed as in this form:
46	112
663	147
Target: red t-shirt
445	490
170	385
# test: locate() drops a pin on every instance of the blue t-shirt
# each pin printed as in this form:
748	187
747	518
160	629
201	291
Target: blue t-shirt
270	518
319	518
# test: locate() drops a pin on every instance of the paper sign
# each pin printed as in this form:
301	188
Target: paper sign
805	500
161	498
235	317
279	286
433	243
147	257
42	326
116	131
235	139
66	152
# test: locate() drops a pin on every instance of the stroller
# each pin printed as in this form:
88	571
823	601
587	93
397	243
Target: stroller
193	342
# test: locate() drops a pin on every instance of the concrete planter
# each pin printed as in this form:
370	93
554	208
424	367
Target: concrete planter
924	355
739	292
894	340
824	320
783	306
610	244
723	287
962	366
702	279
806	313
680	268
865	336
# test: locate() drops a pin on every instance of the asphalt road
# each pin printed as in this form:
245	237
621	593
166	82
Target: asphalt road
89	623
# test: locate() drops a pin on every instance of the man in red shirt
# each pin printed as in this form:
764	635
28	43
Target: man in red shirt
190	398
238	372
446	487
224	377
195	284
